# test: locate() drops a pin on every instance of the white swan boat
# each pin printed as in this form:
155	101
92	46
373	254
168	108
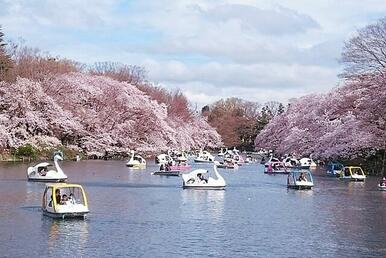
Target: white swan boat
204	157
163	159
291	162
381	187
64	201
202	179
178	156
42	172
136	161
276	168
249	159
307	163
222	152
228	165
300	180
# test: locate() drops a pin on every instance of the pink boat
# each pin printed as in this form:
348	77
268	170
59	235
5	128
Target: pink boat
180	167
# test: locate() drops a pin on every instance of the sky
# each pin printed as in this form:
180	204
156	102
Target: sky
268	50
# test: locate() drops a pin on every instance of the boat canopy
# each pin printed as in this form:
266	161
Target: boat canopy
302	175
349	171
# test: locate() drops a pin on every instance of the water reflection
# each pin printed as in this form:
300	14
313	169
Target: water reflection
204	201
66	236
354	185
301	193
34	191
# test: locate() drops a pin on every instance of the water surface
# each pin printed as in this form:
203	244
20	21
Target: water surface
136	214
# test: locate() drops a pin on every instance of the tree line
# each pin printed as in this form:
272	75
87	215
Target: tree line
239	121
347	123
47	101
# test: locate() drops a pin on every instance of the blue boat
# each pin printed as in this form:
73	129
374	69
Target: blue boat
335	169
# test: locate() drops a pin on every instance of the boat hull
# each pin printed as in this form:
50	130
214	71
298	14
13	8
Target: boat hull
277	172
166	173
135	166
381	188
333	174
202	187
48	180
65	215
300	187
203	161
352	179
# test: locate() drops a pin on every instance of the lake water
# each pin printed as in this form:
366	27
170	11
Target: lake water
133	213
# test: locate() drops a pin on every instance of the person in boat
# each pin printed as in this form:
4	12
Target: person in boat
383	182
168	166
64	199
43	171
58	196
302	177
162	167
202	177
270	169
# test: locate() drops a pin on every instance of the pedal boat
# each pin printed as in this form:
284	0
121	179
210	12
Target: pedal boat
353	174
63	200
136	161
203	180
300	180
42	172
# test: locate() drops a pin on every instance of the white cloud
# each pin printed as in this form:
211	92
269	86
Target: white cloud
258	50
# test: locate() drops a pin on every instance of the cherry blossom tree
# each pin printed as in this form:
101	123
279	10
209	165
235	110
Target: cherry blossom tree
94	114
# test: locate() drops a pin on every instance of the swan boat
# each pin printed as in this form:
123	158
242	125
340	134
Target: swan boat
222	152
202	179
204	157
249	159
228	164
63	200
276	168
381	187
136	161
300	180
291	162
163	159
42	173
307	163
178	156
353	173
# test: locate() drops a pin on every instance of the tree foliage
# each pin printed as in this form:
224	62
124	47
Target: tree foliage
93	114
349	121
238	121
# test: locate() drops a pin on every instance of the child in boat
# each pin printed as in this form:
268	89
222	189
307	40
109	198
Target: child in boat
64	199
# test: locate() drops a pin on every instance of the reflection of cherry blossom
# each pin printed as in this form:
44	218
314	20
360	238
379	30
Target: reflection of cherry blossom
94	113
